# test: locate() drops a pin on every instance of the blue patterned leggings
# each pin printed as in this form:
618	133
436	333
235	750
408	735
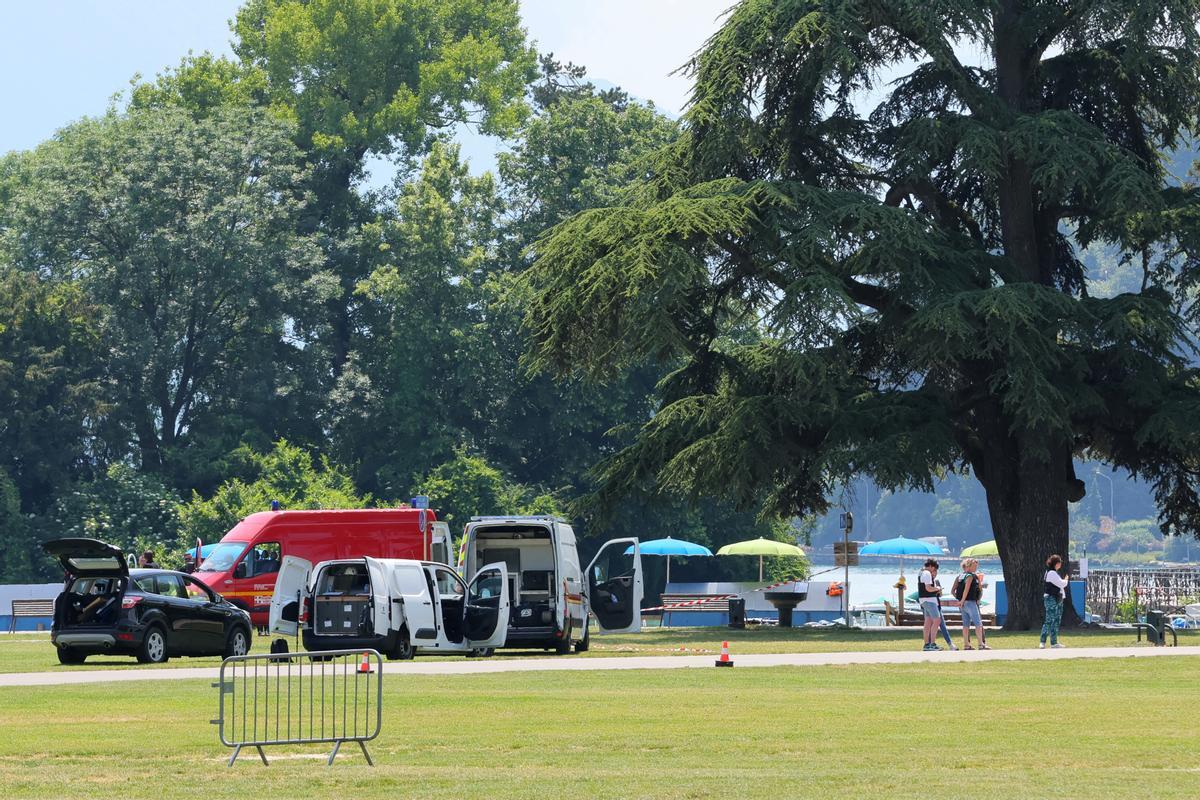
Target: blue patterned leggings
1054	608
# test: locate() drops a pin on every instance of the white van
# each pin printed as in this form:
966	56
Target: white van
551	597
396	606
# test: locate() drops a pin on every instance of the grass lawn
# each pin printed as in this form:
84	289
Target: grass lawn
34	653
1117	728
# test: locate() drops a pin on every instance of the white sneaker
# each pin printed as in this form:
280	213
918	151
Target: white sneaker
953	647
1041	645
1058	646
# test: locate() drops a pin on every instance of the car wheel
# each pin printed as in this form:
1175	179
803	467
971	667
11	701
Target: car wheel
582	645
563	646
154	647
481	652
403	650
237	643
68	656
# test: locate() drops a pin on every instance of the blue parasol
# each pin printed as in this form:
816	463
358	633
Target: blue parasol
670	547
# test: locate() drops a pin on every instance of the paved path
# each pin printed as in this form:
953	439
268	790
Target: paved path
477	666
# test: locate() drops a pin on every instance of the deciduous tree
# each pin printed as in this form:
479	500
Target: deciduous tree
181	231
55	405
379	79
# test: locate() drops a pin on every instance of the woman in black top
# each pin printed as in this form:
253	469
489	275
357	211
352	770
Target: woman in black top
1055	592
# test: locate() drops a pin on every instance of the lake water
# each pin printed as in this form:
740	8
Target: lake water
869	583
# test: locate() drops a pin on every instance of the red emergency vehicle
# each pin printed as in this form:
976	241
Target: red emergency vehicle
244	565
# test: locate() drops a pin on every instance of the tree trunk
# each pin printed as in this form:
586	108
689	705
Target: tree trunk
148	444
1027	503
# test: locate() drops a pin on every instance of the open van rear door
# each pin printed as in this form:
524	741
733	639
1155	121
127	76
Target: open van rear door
381	599
290	588
614	581
486	610
441	544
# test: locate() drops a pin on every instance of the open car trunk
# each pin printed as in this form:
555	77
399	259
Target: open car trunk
90	602
527	552
342	601
98	576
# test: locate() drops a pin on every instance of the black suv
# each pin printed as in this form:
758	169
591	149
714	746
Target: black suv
107	608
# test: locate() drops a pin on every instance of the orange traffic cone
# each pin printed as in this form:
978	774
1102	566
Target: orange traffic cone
364	666
724	660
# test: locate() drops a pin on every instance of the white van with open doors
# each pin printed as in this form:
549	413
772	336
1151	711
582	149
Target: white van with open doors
551	594
396	606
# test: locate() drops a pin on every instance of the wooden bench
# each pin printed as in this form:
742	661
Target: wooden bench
696	602
29	608
952	615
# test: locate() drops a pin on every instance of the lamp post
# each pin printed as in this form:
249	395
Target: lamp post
847	521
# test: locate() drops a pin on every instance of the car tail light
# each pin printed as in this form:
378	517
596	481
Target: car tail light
303	610
131	601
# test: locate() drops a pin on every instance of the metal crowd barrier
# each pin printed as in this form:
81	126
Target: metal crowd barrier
300	698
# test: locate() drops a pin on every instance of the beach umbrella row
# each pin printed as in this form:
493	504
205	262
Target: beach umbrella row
900	546
752	547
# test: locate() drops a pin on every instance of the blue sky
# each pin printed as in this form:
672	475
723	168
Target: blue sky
63	59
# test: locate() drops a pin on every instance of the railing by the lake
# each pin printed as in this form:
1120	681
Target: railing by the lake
1168	589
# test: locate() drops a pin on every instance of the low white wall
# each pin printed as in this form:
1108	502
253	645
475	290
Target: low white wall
26	591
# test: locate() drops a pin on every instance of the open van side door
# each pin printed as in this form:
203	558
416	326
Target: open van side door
486	607
614	583
381	599
290	588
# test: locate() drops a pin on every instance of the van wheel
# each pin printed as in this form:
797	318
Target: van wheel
481	652
582	645
154	647
563	646
238	643
403	650
68	656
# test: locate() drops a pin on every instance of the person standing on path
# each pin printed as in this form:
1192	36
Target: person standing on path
970	590
928	592
941	613
1055	594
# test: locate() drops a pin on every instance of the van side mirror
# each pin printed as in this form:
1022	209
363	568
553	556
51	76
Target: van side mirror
240	570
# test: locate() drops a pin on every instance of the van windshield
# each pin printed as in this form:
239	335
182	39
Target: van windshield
222	558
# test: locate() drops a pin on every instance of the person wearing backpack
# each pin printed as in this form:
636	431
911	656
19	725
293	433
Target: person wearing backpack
968	587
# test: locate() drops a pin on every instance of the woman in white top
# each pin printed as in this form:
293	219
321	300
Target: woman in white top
1055	594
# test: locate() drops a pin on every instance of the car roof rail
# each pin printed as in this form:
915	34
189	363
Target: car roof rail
520	518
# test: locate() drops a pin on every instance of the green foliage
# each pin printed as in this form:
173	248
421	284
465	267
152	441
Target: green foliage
286	473
52	394
361	76
581	152
410	380
182	232
202	85
468	486
856	278
123	507
15	561
1127	610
